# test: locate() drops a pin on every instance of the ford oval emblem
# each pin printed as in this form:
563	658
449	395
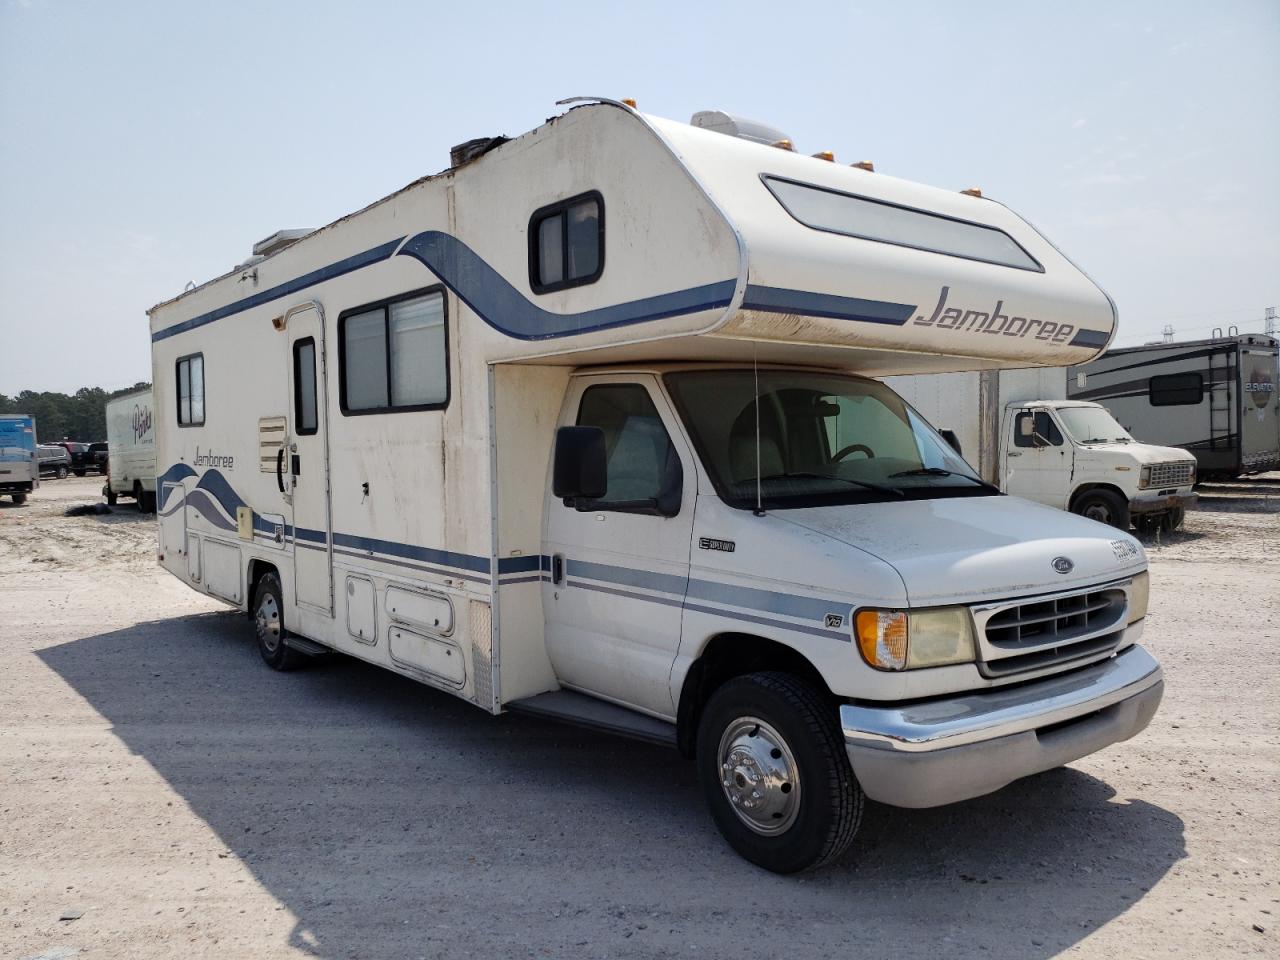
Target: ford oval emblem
1063	565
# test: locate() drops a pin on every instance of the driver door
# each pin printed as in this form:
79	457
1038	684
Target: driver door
1039	461
619	568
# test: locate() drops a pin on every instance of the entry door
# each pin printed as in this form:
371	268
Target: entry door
619	570
1038	466
308	459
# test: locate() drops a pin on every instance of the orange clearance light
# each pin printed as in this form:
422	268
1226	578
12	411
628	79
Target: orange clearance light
783	145
866	165
630	102
972	192
825	155
882	638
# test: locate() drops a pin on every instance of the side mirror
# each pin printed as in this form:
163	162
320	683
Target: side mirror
1026	426
579	469
952	440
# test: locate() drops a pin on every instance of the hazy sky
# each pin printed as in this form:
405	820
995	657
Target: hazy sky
143	145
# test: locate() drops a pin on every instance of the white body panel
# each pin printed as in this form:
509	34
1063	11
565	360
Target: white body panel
19	465
131	443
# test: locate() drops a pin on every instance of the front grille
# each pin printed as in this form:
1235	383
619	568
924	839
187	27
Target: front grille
1173	474
1052	632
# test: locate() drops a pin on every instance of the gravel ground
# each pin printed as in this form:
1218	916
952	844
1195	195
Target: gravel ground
177	799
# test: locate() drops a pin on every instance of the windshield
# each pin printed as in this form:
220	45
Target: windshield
1092	425
824	439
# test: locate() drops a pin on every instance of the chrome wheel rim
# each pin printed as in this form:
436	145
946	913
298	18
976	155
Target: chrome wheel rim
759	776
267	620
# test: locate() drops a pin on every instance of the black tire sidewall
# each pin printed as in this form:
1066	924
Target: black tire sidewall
805	843
269	583
1119	509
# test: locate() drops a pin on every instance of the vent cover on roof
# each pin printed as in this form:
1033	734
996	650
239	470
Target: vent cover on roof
743	129
278	241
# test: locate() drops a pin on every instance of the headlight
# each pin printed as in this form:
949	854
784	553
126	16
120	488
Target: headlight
1144	478
905	640
1139	591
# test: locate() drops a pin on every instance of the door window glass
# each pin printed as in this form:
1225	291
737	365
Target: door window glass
1042	425
642	463
304	386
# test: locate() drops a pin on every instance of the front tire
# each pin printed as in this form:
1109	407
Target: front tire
62	473
268	621
1104	506
774	772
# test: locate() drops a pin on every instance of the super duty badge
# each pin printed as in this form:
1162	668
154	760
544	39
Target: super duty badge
710	543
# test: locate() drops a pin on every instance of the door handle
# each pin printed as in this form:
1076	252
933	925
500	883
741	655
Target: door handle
557	569
280	469
1012	454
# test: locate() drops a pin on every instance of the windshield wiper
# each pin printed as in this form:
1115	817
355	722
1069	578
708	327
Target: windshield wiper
877	487
940	472
1105	440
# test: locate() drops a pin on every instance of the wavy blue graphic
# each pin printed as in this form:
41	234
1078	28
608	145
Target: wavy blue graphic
221	490
506	309
175	474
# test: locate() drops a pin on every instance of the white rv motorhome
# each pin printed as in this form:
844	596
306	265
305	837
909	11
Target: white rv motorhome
1217	398
1026	437
582	426
131	450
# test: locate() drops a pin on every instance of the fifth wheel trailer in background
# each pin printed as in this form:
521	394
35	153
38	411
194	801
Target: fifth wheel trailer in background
1216	398
1020	431
131	450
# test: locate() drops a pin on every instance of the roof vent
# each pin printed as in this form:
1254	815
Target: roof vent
472	149
743	129
278	241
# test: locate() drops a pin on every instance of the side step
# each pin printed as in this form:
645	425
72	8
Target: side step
303	645
567	706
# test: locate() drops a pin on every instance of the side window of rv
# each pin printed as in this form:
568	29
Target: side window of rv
566	243
1044	430
393	355
1176	389
642	464
190	375
305	414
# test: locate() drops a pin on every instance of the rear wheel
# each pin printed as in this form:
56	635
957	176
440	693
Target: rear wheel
112	497
19	498
62	473
774	772
147	502
268	622
1103	506
80	473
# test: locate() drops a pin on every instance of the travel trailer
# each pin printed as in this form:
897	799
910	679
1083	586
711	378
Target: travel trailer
583	427
1217	398
19	465
131	450
1024	436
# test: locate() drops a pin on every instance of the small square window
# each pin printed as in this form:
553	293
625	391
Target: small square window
566	244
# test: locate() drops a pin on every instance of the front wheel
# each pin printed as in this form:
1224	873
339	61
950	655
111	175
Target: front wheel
774	772
62	473
268	622
1104	506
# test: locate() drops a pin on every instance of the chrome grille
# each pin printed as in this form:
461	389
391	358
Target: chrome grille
1173	474
1052	631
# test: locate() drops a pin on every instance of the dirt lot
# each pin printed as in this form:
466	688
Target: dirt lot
161	785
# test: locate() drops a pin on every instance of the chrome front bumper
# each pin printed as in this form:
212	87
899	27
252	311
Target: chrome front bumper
933	752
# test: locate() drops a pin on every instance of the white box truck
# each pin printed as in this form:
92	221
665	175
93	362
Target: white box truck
583	426
1024	435
19	466
131	450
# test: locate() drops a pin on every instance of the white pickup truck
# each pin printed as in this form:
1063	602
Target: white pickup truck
1022	433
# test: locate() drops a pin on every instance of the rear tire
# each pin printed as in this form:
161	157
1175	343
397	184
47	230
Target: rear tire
1104	506
112	497
19	499
268	620
62	473
147	503
774	771
80	473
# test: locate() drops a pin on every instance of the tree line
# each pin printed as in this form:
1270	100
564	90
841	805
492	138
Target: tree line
59	416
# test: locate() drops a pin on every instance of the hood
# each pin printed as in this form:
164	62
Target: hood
1143	453
965	549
